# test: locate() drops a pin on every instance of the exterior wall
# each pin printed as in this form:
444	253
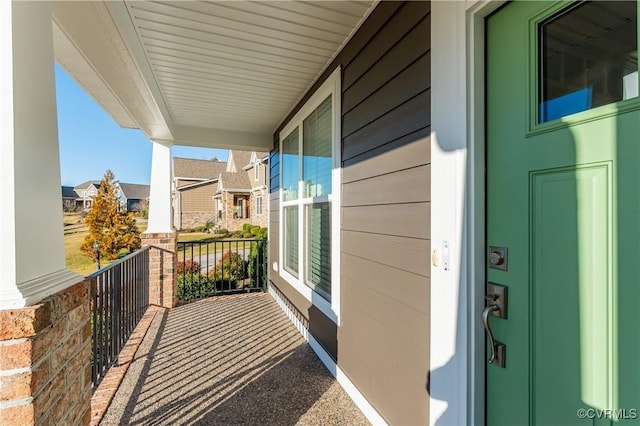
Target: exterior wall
260	219
382	342
196	206
45	353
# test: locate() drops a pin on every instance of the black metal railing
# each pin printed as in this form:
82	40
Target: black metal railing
212	267
119	299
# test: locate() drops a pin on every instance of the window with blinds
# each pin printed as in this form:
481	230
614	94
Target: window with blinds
309	156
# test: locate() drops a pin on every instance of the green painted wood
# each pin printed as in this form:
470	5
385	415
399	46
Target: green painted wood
565	199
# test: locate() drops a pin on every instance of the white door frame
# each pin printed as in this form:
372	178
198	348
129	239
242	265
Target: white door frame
457	364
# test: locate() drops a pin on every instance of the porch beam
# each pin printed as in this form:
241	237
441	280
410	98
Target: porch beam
32	260
221	138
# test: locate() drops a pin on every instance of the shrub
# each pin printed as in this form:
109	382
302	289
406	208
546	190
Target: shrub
230	269
247	234
222	231
255	230
187	266
264	233
208	226
246	227
257	264
194	286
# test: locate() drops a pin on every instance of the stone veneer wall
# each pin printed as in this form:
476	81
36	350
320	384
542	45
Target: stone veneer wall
163	286
45	361
193	219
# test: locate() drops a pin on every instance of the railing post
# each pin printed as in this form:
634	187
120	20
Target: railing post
162	268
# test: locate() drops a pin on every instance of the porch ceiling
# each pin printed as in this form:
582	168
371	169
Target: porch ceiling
218	74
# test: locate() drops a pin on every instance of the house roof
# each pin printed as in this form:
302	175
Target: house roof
197	169
87	184
135	191
235	181
67	192
237	160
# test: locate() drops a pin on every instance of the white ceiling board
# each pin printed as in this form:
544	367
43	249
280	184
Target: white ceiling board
227	67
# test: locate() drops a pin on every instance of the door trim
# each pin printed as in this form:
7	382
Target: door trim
458	211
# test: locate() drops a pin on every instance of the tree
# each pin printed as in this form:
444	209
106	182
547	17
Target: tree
113	229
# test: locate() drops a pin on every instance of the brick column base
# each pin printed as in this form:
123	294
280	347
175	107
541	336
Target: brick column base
163	286
45	360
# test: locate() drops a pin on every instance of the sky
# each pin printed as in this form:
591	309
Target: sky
92	142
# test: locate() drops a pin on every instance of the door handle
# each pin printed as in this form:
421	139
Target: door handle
498	350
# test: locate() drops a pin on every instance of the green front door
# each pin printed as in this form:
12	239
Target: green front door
563	196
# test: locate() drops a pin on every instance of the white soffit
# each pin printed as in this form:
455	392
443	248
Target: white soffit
227	66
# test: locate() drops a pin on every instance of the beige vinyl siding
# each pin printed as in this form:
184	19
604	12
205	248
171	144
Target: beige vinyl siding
382	343
199	198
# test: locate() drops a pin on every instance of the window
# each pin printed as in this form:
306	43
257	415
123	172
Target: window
588	58
309	194
256	171
259	204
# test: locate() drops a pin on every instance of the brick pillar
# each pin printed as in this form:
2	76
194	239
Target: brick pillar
163	286
45	360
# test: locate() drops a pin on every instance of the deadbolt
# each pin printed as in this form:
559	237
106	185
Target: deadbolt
498	258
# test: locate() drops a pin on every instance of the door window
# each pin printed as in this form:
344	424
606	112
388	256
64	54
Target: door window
588	58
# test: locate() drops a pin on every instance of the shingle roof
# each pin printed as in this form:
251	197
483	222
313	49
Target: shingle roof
85	185
67	192
135	191
240	158
197	169
235	181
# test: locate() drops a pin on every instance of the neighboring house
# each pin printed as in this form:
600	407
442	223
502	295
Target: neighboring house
194	186
132	197
230	194
69	198
86	191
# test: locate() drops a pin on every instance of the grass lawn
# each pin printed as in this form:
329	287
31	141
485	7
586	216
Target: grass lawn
76	260
74	233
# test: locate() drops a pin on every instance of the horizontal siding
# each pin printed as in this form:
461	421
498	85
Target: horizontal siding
412	115
376	219
412	150
385	41
404	186
403	58
199	199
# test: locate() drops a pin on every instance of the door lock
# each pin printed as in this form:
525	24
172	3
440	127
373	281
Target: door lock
498	257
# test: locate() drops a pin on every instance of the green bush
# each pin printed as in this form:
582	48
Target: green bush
230	269
246	227
222	231
264	233
257	264
247	235
255	230
194	286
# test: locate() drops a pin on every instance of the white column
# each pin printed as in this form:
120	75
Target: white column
160	220
32	261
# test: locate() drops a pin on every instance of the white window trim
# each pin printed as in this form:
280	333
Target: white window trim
332	86
259	202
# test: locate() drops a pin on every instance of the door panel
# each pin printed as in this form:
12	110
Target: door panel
563	195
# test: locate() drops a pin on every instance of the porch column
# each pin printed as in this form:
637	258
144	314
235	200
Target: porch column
45	341
160	234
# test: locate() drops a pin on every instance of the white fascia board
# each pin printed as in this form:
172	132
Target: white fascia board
99	58
222	139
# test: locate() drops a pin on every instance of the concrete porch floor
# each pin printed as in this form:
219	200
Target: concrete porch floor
228	360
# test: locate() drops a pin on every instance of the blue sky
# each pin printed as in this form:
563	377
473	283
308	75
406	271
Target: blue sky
91	142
